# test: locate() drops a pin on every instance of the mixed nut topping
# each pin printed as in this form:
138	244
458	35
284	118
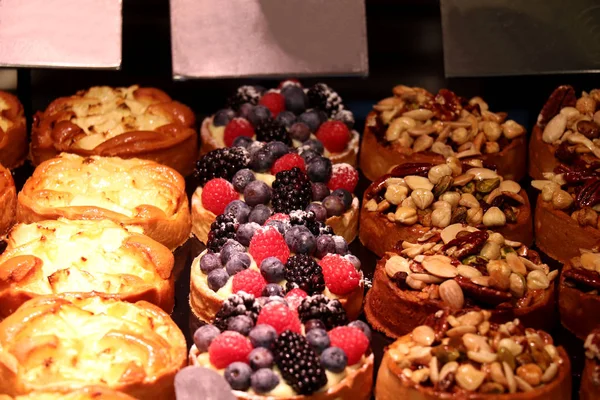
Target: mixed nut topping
470	353
463	267
592	351
585	274
446	124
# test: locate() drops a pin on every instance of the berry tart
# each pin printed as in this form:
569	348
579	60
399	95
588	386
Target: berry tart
8	199
58	256
67	342
273	178
283	350
291	255
417	198
417	126
312	118
87	393
122	122
460	268
13	131
590	378
131	192
565	124
469	357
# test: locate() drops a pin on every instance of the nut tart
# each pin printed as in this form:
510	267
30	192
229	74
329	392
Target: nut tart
51	257
417	198
66	342
460	268
273	178
131	192
306	118
470	357
13	131
590	378
292	254
123	122
278	349
8	199
417	126
566	124
87	393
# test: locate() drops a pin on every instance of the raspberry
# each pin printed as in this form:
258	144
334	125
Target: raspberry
340	275
274	102
249	281
343	176
352	340
295	296
268	242
278	217
229	347
334	135
280	317
289	82
288	162
237	127
216	194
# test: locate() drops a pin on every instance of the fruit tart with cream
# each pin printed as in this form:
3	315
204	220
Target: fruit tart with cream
590	378
13	131
467	356
417	126
87	393
417	198
460	268
8	199
304	118
268	178
277	348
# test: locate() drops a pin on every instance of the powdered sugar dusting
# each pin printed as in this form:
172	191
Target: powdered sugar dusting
342	168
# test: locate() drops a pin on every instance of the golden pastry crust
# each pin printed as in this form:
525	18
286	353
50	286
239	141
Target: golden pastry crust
87	393
541	155
63	343
52	257
590	389
8	199
131	192
13	131
128	122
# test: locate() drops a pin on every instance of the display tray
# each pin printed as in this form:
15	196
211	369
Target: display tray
188	323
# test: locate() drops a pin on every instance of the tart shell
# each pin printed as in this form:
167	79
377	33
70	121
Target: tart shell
578	310
377	159
87	393
541	155
8	199
13	141
588	389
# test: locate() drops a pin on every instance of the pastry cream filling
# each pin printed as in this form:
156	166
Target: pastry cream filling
5	123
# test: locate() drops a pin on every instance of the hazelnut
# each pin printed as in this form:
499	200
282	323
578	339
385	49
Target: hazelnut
511	129
408	202
395	194
474	216
490	250
406	215
491	147
492	130
586	217
438	172
530	373
460	136
455	165
497	238
405	140
548	190
561	199
451	197
494	217
586	105
371	205
422	198
441	217
537	279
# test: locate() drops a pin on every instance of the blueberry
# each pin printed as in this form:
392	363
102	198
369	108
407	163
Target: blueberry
245	110
318	339
286	118
354	260
263	336
238	375
260	358
217	279
312	119
277	224
242	141
272	269
245	232
341	247
295	99
319	169
277	149
262	160
303	243
363	327
346	117
260	214
259	114
222	117
254	147
334	359
319	211
334	206
264	380
319	191
242	178
300	131
210	262
325	245
307	154
292	233
204	336
315	145
313	324
344	195
322	116
239	209
257	192
230	248
237	263
240	323
273	289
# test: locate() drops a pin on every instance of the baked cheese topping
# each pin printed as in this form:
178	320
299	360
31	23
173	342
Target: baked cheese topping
5	123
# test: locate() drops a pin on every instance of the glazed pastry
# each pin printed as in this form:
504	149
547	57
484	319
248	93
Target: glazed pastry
566	124
13	131
267	350
418	198
122	122
578	299
63	343
417	126
87	393
51	257
470	357
590	378
131	192
290	254
8	199
305	118
460	268
272	178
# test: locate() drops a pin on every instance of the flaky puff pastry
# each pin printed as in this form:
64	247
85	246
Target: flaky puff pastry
124	122
88	393
51	257
13	131
66	342
132	192
8	200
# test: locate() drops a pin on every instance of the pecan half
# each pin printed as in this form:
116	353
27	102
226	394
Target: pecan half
467	244
563	96
564	153
583	276
482	294
402	170
589	194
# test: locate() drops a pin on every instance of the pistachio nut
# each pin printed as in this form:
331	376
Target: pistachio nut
443	185
487	185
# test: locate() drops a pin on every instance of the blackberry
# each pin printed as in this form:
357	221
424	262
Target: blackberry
221	230
320	307
299	364
221	163
237	304
324	98
309	220
291	191
271	131
302	271
244	94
